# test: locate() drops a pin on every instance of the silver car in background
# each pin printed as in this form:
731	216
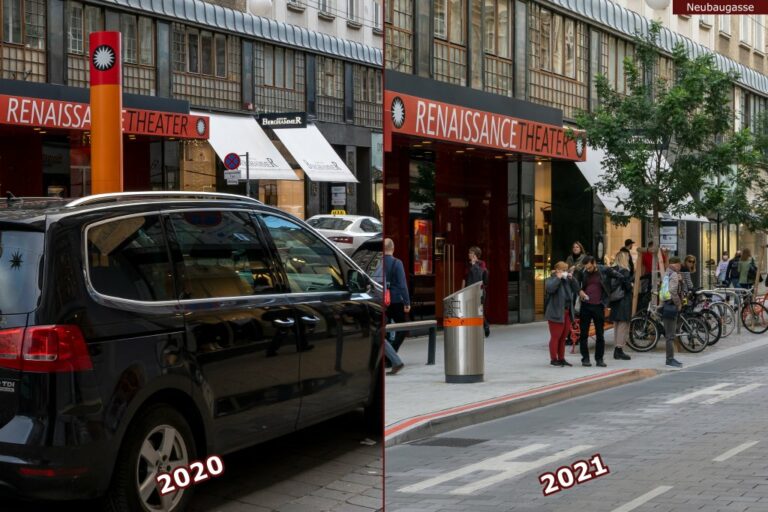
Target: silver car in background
346	231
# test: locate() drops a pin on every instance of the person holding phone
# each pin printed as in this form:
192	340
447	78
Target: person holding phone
561	289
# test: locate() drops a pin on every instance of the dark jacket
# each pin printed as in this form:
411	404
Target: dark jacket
394	275
733	269
561	294
621	310
478	273
606	273
576	262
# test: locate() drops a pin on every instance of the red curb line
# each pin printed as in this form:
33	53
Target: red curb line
405	424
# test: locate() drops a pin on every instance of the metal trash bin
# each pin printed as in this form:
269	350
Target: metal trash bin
464	347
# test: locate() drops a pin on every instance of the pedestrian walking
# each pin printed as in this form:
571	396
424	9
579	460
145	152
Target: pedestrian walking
393	356
561	288
732	274
722	269
594	294
747	269
671	295
394	278
478	272
575	260
628	244
621	303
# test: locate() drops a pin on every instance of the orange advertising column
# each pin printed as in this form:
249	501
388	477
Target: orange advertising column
106	113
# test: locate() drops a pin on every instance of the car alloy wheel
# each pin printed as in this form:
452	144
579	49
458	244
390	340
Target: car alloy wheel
162	451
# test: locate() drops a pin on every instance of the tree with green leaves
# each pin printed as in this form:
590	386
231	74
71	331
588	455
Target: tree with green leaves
665	141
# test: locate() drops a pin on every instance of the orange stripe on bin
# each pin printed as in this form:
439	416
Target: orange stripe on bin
463	322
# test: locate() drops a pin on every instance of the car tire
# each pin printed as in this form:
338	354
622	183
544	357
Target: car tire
153	426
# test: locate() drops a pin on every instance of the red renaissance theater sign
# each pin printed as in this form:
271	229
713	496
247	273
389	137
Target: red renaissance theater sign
44	113
431	119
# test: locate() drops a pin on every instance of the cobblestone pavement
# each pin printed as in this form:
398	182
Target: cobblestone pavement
322	468
693	440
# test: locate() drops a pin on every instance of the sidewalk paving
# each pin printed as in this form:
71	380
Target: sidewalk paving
518	377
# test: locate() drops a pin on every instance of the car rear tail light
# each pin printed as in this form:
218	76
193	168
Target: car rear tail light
44	349
341	239
52	472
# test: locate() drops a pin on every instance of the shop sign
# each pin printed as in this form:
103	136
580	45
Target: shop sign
442	121
45	113
668	237
277	121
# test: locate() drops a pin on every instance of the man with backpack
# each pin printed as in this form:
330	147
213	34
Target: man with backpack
672	303
397	288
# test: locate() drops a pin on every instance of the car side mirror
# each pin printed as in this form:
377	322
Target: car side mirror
358	282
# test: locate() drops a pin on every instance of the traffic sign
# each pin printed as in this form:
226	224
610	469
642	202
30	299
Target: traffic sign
232	177
232	161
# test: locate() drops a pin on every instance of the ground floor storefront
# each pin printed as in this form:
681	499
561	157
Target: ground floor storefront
45	150
504	185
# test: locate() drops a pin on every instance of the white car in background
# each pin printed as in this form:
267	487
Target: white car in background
346	231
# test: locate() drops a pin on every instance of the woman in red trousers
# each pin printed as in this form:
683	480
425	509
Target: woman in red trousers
561	289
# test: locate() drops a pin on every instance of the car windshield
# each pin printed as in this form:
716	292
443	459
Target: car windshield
330	223
20	255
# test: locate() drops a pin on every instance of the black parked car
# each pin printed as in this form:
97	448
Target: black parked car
144	331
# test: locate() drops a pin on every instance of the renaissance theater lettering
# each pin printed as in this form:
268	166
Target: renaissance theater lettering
44	113
431	119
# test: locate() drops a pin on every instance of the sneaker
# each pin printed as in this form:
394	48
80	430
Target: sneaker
395	369
487	331
555	362
585	362
563	362
601	363
618	353
674	363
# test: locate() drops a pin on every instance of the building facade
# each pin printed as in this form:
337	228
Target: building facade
535	61
197	59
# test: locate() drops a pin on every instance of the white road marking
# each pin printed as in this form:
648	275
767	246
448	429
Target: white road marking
730	453
715	391
735	392
507	469
645	498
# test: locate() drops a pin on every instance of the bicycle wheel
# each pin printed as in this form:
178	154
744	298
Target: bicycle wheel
643	334
727	317
714	323
694	334
754	316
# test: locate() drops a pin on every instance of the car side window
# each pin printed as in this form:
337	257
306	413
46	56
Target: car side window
128	259
222	255
310	264
369	226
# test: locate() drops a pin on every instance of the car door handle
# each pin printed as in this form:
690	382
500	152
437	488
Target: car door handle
285	323
311	320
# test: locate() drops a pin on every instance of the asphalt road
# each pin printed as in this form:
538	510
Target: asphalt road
692	440
322	468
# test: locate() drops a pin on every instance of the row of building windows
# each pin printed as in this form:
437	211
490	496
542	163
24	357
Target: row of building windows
206	65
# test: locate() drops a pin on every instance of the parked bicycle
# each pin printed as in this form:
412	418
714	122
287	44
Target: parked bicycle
753	313
646	328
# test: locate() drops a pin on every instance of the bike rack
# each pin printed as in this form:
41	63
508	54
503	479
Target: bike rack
738	294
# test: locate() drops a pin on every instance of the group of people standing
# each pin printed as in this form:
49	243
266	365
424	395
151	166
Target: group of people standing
580	286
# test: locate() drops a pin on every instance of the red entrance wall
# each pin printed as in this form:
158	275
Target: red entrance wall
21	164
470	209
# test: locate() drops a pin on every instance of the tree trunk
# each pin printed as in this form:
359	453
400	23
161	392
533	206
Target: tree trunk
656	239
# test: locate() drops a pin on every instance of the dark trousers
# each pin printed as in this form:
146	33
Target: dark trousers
396	312
592	313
